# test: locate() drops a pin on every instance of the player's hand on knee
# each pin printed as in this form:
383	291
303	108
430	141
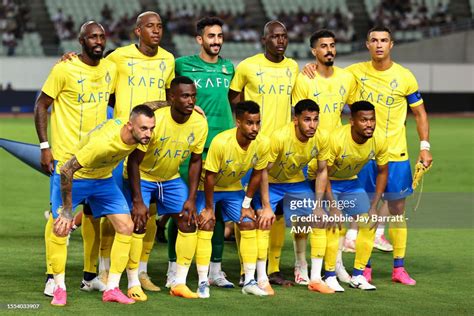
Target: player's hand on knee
189	209
334	217
140	215
62	226
265	218
247	213
206	217
319	214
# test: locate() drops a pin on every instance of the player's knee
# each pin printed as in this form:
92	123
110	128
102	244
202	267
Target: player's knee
124	227
396	207
247	225
184	226
209	226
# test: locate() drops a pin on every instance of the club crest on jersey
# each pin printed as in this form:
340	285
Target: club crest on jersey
342	91
162	66
224	70
314	152
394	84
107	78
190	138
254	159
371	154
289	74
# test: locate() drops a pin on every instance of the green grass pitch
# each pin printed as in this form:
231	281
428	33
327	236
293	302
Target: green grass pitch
439	254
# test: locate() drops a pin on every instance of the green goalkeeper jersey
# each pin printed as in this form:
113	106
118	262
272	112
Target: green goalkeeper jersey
212	82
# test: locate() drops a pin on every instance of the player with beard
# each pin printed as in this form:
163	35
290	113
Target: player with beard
330	87
212	75
79	92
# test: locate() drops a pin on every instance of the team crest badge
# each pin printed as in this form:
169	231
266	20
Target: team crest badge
224	70
342	91
162	66
314	152
254	159
190	138
107	77
289	74
394	84
371	154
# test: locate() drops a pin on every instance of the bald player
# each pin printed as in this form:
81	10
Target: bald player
268	79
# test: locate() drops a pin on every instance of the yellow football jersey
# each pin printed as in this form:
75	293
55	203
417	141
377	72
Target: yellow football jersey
141	78
226	158
347	157
331	94
171	145
290	155
81	94
102	150
389	91
270	85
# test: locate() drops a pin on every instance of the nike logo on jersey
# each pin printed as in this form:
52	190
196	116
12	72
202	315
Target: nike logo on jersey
316	94
130	64
164	138
364	79
228	161
259	73
81	81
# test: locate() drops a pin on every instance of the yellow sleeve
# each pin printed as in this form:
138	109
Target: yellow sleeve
87	154
333	150
55	82
214	156
323	147
199	147
114	57
143	148
276	146
114	76
381	157
352	89
171	76
412	94
300	91
263	151
240	77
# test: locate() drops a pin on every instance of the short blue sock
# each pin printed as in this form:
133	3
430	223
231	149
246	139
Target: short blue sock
398	262
328	274
357	272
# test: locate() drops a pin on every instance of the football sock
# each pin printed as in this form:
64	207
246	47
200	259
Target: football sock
58	257
237	243
364	245
262	253
149	239
90	229
203	253
119	254
48	230
248	249
172	235
215	268
398	234
185	248
277	239
218	237
107	234
136	245
299	246
332	246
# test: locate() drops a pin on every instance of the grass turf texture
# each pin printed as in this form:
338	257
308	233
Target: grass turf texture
439	259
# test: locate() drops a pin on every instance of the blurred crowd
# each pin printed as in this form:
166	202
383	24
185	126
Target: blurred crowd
15	20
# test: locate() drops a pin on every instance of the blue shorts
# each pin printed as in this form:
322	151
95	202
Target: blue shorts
399	179
351	196
117	174
277	192
169	195
231	204
103	196
246	179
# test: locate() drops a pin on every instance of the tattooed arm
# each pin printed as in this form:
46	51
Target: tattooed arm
63	223
155	105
